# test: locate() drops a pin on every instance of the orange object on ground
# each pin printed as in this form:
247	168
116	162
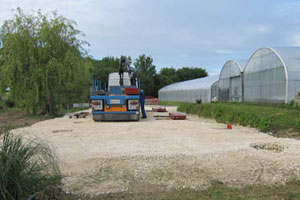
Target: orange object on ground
115	109
229	126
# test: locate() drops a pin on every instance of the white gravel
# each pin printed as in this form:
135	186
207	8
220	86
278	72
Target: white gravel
103	157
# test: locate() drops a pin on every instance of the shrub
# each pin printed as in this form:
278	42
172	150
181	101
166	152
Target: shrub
25	167
10	103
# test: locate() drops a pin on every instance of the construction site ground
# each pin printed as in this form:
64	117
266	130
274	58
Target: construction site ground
152	155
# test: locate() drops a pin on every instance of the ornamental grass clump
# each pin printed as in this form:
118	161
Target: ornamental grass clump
26	166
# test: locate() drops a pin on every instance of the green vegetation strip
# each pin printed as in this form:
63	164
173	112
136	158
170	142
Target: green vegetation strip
261	116
217	191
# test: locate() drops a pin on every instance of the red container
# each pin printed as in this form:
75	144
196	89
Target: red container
131	91
159	109
177	116
229	126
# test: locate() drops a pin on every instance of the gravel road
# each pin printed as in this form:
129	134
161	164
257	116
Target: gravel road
151	154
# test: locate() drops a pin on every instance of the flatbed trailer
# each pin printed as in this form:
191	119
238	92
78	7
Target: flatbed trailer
121	100
116	108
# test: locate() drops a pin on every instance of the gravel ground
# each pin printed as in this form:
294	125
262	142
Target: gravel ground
151	154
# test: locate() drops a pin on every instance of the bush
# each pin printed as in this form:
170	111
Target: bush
25	167
10	103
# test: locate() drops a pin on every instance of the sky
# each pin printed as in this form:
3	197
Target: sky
175	33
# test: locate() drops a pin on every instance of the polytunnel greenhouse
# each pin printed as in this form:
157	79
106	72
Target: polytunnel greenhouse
197	90
272	75
230	81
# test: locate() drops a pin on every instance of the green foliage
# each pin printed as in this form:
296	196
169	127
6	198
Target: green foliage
187	73
170	72
9	103
260	116
102	68
217	191
182	74
144	65
169	75
25	167
145	70
43	62
165	77
151	82
2	106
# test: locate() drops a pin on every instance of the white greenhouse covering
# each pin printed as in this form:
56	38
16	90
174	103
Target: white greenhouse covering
190	91
230	81
272	75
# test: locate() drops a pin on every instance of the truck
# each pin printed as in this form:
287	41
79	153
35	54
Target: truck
120	100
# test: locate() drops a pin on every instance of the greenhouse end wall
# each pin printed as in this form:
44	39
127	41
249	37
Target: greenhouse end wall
272	75
230	81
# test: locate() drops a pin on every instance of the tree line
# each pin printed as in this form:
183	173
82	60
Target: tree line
44	63
151	80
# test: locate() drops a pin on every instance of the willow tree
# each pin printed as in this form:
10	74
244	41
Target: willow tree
43	59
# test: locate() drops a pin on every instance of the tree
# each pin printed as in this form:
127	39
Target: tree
188	73
102	68
151	82
146	71
3	78
44	61
143	65
168	75
171	73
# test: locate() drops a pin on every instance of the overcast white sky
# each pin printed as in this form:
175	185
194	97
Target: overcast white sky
176	32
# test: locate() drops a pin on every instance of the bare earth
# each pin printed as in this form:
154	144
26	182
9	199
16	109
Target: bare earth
149	155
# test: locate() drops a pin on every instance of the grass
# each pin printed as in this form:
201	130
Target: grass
218	191
17	118
274	118
26	166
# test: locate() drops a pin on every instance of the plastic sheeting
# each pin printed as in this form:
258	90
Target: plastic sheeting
230	81
215	90
189	91
272	75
